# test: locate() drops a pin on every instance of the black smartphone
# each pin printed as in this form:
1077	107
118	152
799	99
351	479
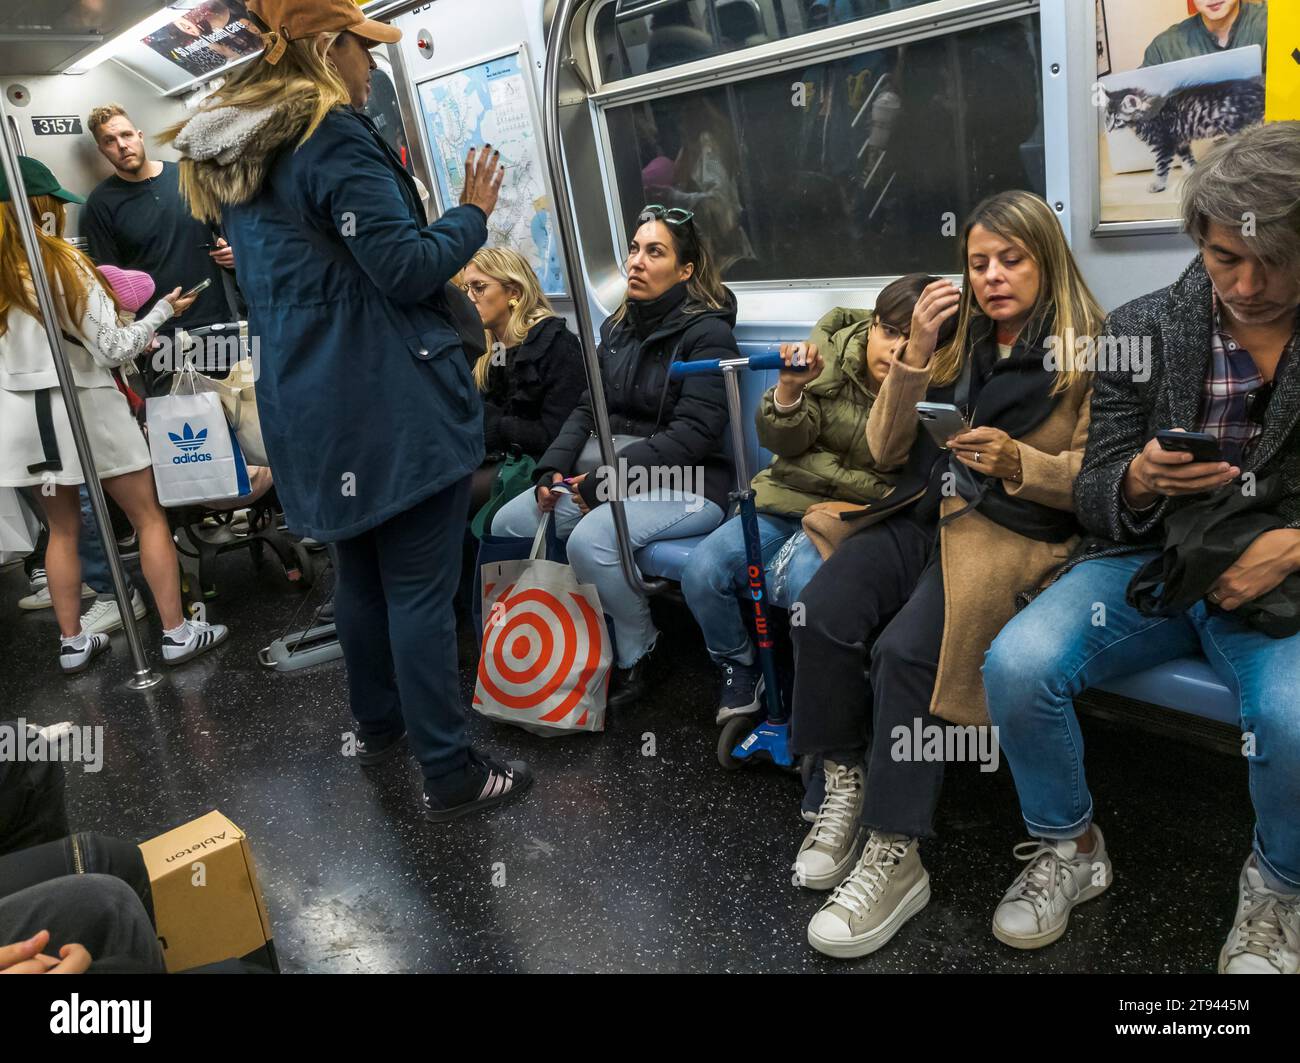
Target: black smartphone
200	287
1202	446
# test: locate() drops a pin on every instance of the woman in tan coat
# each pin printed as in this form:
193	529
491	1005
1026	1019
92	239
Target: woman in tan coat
932	587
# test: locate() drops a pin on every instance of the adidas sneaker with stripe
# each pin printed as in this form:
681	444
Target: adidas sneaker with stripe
193	639
482	783
75	655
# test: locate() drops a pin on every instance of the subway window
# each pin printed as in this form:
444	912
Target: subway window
855	167
640	36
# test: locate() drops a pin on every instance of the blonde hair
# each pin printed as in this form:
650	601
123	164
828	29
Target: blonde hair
303	77
70	272
103	114
510	269
1065	303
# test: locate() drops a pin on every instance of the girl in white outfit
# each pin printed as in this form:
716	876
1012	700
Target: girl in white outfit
36	442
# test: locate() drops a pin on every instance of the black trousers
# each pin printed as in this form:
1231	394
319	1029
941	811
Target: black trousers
877	599
397	626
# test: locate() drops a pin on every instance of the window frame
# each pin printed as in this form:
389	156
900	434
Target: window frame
935	19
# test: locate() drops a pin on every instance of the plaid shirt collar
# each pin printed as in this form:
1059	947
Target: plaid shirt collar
1225	405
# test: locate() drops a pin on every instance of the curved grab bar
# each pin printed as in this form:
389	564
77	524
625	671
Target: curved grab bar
568	232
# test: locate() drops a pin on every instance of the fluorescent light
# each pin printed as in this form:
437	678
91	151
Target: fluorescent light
160	18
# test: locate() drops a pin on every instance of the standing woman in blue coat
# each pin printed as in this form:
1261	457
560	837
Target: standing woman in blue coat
371	418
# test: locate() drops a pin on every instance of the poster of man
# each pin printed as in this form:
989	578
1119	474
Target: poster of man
1173	77
206	36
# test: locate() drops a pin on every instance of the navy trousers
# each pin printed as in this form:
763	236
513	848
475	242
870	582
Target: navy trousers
394	611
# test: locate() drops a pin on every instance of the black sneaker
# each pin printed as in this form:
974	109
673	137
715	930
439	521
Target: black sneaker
741	690
627	685
482	783
371	751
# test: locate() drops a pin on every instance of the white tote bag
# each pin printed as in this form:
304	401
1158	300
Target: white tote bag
19	528
239	399
546	650
195	456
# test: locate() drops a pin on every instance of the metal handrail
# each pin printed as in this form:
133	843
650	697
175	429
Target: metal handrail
144	676
568	231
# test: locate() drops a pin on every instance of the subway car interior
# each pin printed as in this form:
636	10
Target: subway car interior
732	179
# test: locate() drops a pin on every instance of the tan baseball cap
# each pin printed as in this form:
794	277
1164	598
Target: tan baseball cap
292	20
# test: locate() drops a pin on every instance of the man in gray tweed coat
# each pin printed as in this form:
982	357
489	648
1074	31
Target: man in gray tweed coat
1222	360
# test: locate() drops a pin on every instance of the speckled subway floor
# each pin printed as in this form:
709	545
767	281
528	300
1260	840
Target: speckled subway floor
616	861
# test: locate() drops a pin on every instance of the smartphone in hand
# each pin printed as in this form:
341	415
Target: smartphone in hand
942	420
1202	446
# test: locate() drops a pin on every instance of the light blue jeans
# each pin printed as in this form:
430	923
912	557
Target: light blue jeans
593	550
715	581
1052	651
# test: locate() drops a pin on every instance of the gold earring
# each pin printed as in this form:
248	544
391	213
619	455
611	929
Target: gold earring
514	303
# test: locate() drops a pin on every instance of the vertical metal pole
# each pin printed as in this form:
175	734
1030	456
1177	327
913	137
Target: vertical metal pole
555	45
144	677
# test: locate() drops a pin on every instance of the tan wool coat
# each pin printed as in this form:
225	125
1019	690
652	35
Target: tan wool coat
985	566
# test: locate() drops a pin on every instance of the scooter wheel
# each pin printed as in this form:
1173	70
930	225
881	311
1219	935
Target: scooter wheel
733	731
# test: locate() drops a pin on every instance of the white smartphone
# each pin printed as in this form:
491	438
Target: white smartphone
942	420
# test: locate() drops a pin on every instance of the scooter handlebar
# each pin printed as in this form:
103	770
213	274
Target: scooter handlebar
707	366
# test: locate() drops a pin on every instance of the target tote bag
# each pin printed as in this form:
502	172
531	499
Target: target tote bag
546	651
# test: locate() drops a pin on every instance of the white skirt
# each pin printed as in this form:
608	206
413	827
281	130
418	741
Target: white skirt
116	441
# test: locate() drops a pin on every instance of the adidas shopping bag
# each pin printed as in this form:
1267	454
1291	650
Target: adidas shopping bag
195	455
546	651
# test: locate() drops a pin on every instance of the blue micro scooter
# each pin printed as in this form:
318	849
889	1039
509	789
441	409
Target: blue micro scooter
742	743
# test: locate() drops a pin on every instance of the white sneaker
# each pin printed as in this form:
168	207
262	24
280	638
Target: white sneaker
827	851
1036	909
41	599
73	660
197	638
37	580
105	616
1265	936
888	887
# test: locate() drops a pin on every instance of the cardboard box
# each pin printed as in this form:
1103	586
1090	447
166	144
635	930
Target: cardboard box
206	898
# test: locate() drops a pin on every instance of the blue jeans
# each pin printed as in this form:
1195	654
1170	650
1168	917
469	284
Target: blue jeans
1052	652
593	550
715	579
94	561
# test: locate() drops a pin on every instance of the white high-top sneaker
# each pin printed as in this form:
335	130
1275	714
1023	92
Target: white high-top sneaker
887	887
1036	909
1265	936
827	850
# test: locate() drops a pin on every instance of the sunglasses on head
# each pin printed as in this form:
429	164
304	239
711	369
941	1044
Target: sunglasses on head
670	215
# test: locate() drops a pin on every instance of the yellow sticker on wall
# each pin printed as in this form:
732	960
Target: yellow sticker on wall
1283	63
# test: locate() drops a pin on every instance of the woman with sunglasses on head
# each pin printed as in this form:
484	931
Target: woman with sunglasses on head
814	422
531	375
1005	523
669	434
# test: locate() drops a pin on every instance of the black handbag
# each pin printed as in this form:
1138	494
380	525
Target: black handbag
1202	541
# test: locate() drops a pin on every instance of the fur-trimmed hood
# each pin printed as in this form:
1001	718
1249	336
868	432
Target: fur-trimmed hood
226	152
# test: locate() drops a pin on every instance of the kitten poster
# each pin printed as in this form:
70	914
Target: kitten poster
1177	76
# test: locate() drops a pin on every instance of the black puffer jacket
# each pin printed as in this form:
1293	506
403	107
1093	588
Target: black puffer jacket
529	398
634	356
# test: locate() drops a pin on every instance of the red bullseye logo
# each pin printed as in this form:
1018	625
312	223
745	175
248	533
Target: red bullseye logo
542	654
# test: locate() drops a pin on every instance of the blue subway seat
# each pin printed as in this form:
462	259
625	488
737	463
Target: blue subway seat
1187	685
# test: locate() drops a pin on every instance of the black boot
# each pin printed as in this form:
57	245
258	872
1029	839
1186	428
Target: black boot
628	684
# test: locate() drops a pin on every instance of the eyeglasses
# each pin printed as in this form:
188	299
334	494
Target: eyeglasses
477	288
890	331
670	215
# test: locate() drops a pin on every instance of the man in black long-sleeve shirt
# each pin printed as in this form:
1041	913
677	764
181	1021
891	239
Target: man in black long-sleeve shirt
136	219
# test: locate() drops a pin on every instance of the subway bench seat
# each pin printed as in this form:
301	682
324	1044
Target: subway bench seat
1187	685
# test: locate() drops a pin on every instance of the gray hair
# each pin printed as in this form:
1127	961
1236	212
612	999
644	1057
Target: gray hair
1251	182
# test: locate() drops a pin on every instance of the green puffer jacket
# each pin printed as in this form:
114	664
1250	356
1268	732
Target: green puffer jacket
821	445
